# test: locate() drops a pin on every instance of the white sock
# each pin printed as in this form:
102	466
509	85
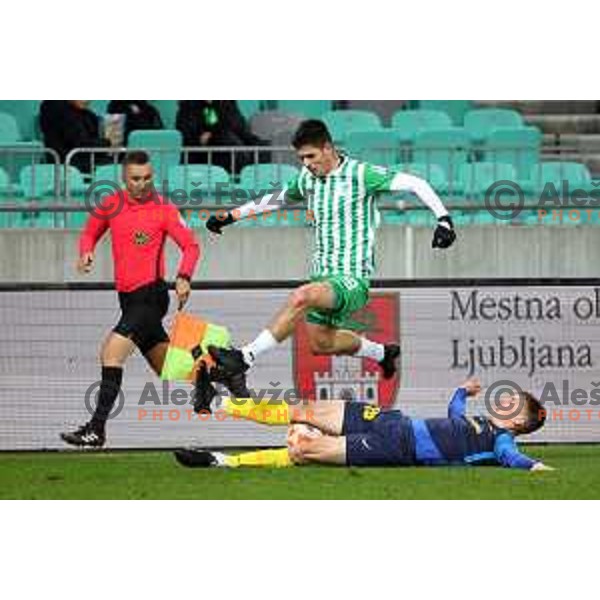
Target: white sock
264	342
369	349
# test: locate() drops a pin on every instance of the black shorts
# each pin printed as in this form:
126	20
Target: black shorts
142	312
376	438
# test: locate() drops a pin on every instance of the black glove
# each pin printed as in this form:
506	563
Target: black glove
443	236
215	224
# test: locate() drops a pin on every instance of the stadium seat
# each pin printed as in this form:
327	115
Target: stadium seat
99	106
447	148
436	178
343	122
410	122
5	187
9	130
311	109
475	179
268	177
112	173
164	147
259	177
519	147
167	110
270	124
576	174
479	123
26	114
16	155
74	182
378	147
198	177
40	181
248	108
433	174
455	109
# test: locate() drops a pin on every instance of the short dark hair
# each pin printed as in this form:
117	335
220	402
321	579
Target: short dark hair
138	157
311	133
536	414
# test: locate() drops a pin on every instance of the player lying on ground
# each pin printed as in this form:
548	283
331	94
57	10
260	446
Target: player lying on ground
362	435
340	192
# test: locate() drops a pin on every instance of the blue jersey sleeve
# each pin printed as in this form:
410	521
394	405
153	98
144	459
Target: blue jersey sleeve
505	449
458	404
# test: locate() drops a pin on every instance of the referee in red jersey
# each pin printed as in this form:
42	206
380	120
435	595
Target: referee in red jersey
139	222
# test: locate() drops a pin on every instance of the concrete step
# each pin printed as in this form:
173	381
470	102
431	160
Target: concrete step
581	142
545	107
565	124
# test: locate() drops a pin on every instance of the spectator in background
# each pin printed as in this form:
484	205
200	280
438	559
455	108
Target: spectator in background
69	124
139	114
213	123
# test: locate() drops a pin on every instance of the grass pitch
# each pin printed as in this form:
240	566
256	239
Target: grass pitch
150	475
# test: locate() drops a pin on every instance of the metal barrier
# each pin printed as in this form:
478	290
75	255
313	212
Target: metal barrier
457	195
24	196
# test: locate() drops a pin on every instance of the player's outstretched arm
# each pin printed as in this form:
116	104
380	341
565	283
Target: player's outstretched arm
267	203
444	235
508	455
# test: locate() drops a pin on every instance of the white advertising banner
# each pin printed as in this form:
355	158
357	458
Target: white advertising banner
545	339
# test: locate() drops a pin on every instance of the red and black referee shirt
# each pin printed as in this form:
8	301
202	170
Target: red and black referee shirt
138	233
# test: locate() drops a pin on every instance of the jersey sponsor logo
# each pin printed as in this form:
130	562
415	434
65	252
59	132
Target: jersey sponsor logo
349	377
370	413
141	238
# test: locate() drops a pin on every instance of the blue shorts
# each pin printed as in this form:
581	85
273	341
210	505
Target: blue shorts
376	438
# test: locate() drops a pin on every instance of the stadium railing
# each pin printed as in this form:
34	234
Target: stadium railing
456	178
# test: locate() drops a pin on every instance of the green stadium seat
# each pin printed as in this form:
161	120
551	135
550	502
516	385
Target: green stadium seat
480	122
311	109
167	110
265	176
99	106
75	191
207	177
377	147
9	129
5	187
112	172
249	107
476	178
436	178
343	122
40	181
410	122
16	155
164	147
519	147
432	173
455	109
26	114
447	148
554	173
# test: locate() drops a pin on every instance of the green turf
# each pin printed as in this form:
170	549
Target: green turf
156	475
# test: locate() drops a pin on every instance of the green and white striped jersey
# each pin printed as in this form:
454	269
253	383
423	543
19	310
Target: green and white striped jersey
344	216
